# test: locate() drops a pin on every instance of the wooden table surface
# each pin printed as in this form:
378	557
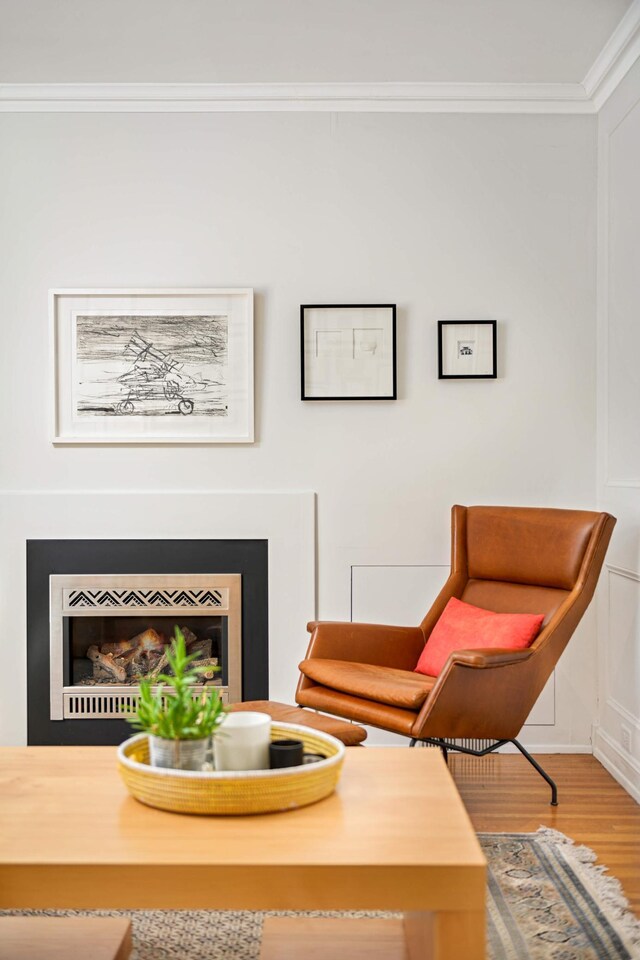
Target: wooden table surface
394	836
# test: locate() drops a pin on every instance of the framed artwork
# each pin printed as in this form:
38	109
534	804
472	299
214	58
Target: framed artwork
152	366
348	352
467	349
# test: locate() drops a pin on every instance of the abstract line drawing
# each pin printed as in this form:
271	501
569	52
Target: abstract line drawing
151	365
366	342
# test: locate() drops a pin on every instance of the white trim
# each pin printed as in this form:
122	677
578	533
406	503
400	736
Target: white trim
624	768
285	97
602	292
536	748
615	59
623	572
625	715
613	62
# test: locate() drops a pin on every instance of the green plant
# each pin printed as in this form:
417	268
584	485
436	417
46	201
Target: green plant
172	712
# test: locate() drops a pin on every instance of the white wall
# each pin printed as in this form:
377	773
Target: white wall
617	733
448	216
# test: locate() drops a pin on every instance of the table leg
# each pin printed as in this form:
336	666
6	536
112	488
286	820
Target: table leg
447	935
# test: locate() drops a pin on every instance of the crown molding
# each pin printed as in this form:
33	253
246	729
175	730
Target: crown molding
284	97
611	65
616	58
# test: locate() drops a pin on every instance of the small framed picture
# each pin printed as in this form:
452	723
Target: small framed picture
467	350
348	352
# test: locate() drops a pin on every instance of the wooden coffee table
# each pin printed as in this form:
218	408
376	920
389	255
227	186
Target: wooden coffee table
395	836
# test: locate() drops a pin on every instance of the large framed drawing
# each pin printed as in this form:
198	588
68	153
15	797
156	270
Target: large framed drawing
152	366
348	352
467	350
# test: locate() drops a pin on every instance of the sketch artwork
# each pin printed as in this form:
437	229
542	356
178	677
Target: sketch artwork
466	348
150	365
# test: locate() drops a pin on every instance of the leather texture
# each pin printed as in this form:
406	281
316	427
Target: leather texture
397	647
350	733
358	709
397	688
505	559
506	546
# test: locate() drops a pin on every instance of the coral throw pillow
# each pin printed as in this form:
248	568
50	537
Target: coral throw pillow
465	627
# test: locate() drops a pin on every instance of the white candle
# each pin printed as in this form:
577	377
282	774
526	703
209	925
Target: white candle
242	743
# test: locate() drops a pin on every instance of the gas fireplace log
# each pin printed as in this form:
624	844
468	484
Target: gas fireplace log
211	668
160	666
107	662
203	647
147	640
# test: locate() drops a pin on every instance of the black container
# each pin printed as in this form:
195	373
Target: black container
285	753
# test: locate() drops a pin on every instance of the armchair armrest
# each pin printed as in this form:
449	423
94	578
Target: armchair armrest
374	643
489	657
489	701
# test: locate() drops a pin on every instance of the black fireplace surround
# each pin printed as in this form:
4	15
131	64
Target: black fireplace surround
46	557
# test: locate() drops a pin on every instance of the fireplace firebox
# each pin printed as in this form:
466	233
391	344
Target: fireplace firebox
107	633
101	615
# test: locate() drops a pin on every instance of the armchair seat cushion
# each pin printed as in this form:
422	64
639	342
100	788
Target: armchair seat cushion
398	688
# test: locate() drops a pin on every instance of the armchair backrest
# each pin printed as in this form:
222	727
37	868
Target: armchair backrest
525	560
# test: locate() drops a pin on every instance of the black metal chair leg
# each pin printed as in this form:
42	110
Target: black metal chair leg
446	745
543	773
445	754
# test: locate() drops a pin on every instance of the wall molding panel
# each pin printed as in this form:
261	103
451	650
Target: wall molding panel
624	768
604	297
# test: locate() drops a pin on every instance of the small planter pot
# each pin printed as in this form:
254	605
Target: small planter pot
178	754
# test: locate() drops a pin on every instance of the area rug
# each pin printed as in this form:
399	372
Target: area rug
547	900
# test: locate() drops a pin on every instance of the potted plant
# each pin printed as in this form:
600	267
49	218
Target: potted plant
179	726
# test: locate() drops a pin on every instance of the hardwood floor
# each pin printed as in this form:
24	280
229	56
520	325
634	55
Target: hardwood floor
504	794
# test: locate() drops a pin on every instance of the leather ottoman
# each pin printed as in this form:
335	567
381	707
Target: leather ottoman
350	733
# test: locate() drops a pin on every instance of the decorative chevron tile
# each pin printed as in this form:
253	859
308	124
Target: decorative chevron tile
144	598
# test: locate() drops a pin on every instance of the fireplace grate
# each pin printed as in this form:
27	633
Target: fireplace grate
112	705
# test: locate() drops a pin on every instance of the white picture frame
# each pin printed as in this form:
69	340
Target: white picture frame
136	366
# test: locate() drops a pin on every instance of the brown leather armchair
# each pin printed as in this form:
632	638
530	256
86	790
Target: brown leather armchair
505	559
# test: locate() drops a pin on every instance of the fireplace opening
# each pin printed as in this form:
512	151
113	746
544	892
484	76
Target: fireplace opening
103	651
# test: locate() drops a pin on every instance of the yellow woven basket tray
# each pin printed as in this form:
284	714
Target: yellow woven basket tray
234	792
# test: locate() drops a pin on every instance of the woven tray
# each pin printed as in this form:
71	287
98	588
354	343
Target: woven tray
237	792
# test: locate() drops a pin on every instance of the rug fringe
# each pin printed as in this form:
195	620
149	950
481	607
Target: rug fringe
606	888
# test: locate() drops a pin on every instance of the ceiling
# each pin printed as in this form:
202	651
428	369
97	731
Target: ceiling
303	41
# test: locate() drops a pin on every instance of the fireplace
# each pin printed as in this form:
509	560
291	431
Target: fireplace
109	632
102	613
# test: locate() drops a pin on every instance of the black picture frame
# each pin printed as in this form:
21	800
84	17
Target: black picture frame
304	379
447	374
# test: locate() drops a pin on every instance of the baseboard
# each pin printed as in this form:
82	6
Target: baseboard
509	748
549	747
622	768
